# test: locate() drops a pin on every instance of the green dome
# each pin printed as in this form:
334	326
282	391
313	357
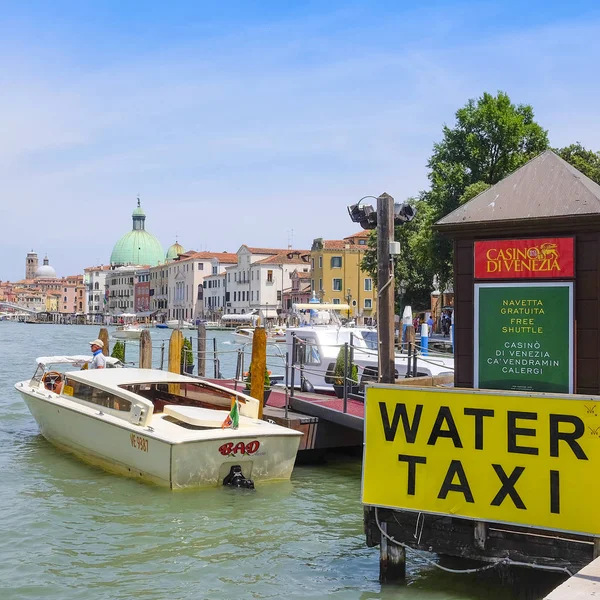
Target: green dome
174	251
138	247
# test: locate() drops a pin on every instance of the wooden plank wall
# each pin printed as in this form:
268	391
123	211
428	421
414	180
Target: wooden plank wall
587	311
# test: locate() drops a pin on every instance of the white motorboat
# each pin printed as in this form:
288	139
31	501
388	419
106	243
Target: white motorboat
157	426
245	334
176	324
319	343
130	331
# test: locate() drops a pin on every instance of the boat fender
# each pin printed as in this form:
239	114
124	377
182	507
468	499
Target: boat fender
235	478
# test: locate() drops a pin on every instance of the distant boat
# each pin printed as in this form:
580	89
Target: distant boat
162	326
177	324
128	332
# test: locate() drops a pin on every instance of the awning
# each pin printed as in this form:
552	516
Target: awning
147	313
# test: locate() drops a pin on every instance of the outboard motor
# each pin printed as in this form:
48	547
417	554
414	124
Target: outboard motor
235	478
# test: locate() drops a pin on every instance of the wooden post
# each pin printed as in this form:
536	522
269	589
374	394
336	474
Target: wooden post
103	335
392	559
175	346
385	284
202	350
596	547
258	366
145	350
480	534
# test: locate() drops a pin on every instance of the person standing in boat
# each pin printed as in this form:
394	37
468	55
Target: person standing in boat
99	360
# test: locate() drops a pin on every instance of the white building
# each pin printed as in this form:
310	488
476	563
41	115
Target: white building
94	279
259	278
215	290
120	289
186	275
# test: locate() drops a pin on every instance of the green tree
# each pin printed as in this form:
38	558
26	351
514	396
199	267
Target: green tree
119	351
491	138
586	161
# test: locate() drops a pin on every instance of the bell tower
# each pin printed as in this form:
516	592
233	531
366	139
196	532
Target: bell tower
31	265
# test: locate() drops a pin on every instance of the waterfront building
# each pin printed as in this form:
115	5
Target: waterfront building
31	299
337	276
120	289
138	246
159	291
95	283
141	293
215	293
299	291
73	301
186	275
259	278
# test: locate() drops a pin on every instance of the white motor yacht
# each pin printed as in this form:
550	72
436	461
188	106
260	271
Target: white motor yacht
319	342
158	426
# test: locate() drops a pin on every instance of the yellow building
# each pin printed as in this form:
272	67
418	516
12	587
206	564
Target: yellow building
337	276
52	299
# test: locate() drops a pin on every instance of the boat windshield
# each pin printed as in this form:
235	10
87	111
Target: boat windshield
37	376
370	338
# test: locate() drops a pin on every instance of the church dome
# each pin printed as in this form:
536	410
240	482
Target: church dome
138	247
45	271
174	251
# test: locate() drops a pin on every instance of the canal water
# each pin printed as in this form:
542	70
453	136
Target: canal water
70	531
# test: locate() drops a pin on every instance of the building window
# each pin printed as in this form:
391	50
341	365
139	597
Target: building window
336	262
337	285
312	263
279	295
320	285
362	242
269	276
336	301
235	296
368	303
368	284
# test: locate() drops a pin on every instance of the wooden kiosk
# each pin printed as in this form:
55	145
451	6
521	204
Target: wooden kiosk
527	310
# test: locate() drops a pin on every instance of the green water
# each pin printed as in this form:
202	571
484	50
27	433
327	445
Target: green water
70	531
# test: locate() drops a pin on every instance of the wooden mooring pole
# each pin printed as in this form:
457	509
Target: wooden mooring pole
258	367
385	293
145	350
175	347
103	335
392	559
202	350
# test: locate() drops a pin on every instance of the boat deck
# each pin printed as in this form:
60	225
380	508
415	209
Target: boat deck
325	406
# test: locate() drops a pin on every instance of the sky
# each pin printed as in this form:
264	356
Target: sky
256	123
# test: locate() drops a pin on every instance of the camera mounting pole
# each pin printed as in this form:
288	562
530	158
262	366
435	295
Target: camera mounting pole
385	291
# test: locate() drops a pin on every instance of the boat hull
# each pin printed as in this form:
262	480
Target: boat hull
127	334
133	451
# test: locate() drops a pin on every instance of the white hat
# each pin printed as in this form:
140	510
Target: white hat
98	343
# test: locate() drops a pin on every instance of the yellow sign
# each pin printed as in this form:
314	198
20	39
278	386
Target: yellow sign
510	457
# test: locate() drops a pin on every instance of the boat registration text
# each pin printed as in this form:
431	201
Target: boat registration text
139	442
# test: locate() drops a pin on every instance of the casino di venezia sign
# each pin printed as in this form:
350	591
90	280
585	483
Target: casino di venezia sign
523	334
545	258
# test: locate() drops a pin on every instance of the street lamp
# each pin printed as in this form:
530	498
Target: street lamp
387	215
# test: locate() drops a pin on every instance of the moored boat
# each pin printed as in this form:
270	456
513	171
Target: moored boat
318	343
158	426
